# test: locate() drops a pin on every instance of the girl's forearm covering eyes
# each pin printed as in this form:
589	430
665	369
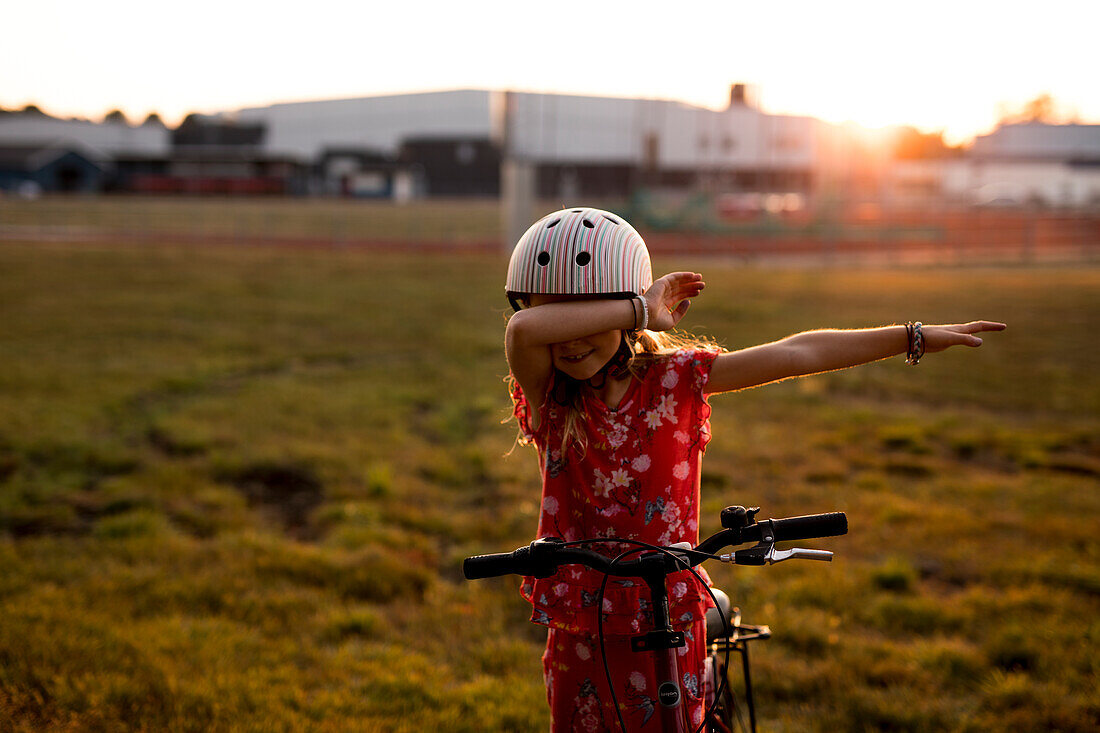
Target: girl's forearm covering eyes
552	323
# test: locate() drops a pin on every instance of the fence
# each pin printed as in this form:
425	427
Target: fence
862	232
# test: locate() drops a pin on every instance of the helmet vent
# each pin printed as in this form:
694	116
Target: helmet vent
553	224
588	223
610	219
543	258
577	211
583	258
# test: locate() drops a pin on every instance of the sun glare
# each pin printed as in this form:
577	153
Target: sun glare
944	66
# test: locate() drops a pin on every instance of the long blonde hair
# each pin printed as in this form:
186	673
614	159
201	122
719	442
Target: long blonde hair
647	348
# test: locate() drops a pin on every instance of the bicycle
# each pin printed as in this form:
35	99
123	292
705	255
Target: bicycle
543	557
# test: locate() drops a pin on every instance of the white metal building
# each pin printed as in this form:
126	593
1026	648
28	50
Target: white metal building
562	134
101	141
1040	141
672	135
306	129
1029	164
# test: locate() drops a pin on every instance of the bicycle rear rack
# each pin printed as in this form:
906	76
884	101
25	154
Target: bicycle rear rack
738	642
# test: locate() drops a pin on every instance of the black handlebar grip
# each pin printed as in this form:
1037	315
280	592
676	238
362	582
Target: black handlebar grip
489	566
810	526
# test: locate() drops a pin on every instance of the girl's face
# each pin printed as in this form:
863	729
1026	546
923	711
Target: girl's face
580	358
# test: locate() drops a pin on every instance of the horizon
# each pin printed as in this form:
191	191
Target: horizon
1011	116
938	68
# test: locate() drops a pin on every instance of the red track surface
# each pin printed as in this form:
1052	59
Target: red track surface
944	238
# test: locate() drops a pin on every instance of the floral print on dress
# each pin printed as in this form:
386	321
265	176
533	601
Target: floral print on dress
587	713
638	479
580	699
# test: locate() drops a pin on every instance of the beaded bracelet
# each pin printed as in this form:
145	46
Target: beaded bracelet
916	343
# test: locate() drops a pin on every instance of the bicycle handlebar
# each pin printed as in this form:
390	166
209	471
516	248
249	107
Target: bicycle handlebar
811	526
491	566
543	557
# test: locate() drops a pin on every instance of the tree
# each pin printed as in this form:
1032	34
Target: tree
1040	109
116	115
153	119
909	143
1043	108
191	121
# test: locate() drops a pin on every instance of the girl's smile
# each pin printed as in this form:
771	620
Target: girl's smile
583	358
577	358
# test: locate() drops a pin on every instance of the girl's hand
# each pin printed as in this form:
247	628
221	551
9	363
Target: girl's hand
669	298
938	338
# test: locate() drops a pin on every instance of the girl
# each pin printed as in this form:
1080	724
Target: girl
618	411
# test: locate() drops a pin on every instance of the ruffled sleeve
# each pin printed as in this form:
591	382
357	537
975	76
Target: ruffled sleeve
521	409
698	364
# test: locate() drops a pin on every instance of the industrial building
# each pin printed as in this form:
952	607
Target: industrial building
566	147
1030	164
102	141
577	145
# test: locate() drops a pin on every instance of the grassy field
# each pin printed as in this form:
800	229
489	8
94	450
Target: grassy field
236	486
327	220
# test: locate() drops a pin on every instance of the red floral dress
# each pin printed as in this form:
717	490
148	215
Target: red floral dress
637	479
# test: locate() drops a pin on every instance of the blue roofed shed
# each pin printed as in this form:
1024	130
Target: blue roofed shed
50	167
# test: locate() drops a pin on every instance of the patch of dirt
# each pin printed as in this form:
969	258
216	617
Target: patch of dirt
287	490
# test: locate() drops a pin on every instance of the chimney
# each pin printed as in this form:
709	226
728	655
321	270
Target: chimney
744	95
737	95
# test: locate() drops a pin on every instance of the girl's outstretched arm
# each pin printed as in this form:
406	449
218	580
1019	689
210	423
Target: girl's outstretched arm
812	352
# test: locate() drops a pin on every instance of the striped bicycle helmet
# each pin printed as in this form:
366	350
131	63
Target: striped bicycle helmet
579	251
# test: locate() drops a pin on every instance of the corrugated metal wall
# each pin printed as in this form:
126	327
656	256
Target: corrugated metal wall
305	129
547	128
569	129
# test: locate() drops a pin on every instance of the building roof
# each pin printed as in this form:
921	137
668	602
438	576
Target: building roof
96	141
1039	141
34	156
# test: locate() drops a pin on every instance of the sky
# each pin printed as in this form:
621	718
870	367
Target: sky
951	66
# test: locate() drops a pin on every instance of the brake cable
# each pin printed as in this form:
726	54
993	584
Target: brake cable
639	546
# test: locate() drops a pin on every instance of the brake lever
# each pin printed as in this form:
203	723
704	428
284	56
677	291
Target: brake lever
766	554
796	553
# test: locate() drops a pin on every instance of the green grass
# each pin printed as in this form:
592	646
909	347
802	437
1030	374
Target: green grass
236	486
